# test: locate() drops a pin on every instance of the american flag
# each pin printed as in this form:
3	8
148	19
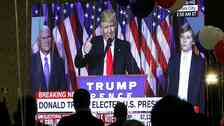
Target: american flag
157	43
153	50
74	23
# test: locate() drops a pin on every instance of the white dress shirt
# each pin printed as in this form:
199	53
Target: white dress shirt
185	64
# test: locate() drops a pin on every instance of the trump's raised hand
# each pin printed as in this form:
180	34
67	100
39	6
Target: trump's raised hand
87	46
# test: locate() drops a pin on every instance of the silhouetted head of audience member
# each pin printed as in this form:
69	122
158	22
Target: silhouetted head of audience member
26	108
120	111
133	122
172	111
199	119
81	99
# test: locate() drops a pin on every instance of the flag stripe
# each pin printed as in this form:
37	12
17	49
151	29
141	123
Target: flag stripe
144	49
74	29
165	26
146	68
163	45
71	70
71	41
134	50
148	38
161	58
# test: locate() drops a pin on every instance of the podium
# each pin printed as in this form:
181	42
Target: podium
113	86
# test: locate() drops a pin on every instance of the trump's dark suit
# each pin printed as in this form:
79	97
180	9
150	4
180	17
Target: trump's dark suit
123	60
57	80
196	85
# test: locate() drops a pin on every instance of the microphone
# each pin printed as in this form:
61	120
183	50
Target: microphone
109	42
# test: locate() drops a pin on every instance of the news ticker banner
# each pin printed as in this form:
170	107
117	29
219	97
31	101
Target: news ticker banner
99	105
51	110
107	117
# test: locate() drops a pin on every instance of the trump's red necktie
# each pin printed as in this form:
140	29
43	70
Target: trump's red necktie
109	62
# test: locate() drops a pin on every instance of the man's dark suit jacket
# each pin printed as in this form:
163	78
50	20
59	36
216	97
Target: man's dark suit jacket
123	60
196	85
57	81
82	118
